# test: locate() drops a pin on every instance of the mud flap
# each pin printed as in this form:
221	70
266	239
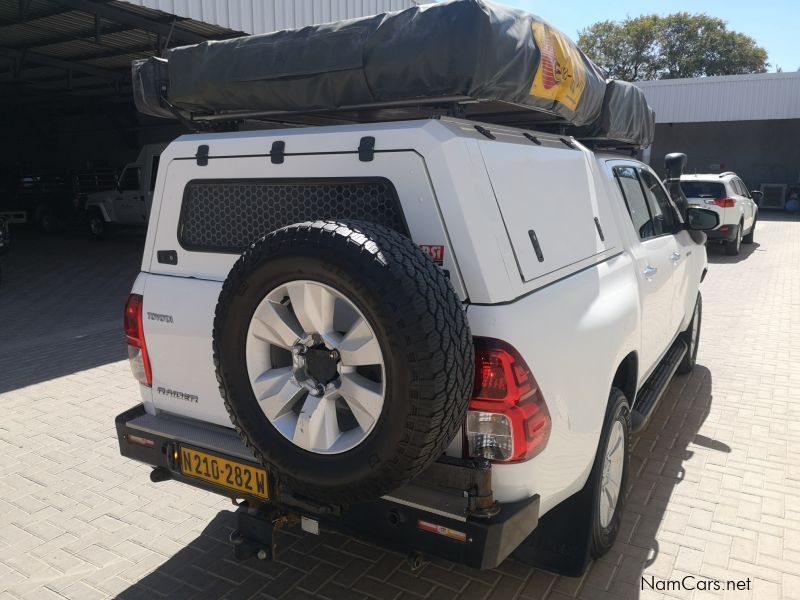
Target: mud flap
561	541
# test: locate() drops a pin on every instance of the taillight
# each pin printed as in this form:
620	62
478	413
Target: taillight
507	420
725	202
137	349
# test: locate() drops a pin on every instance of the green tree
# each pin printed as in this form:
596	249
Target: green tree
672	46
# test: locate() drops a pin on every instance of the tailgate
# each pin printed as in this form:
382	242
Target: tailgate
209	214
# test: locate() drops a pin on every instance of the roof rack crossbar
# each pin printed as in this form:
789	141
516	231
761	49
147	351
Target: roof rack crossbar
236	115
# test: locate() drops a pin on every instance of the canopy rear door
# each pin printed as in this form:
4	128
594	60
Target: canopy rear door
548	200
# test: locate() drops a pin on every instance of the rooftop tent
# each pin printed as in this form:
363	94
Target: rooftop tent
482	60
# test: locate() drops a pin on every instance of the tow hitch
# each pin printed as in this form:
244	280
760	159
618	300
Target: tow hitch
255	532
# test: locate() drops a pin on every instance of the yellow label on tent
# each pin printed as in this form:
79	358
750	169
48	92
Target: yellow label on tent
561	74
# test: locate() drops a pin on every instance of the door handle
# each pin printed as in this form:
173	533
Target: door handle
675	257
649	272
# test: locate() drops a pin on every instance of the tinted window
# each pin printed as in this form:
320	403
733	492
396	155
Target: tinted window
130	179
153	173
742	188
665	217
703	189
634	198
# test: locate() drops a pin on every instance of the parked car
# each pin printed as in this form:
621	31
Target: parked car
416	345
728	196
49	198
127	203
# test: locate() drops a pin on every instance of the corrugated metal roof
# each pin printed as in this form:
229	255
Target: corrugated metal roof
86	46
261	16
756	97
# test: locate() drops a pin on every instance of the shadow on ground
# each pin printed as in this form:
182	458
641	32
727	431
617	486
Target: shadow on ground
61	303
716	253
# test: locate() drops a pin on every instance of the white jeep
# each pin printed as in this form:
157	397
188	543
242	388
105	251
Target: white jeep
427	327
128	205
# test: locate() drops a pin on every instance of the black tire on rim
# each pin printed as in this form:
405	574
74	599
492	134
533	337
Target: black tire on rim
748	239
692	338
609	477
732	248
424	339
96	225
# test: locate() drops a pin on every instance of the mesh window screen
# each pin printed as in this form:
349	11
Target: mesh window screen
226	215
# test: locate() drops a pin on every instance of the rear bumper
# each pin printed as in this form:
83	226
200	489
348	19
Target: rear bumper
725	233
422	516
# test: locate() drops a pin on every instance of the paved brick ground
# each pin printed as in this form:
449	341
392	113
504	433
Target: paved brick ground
715	490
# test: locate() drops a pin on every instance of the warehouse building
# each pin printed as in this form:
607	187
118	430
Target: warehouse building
749	124
65	94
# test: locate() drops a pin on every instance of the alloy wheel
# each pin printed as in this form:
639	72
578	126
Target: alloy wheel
316	367
611	482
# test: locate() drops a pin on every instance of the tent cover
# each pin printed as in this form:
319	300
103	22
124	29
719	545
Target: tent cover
484	61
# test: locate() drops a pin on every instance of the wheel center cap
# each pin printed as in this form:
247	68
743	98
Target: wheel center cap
314	367
322	364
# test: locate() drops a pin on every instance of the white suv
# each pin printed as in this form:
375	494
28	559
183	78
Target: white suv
728	196
435	334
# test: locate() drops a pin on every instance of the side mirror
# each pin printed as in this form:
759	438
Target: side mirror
757	195
674	163
701	219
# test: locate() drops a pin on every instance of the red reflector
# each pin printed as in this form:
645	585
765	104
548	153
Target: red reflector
134	332
140	441
725	202
442	530
724	228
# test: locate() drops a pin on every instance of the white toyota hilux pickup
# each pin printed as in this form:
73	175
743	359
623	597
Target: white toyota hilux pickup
433	334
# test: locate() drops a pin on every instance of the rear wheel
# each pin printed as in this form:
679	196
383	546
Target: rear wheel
748	239
96	225
610	474
732	247
692	338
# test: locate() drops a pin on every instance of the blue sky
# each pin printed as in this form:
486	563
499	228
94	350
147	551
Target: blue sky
774	24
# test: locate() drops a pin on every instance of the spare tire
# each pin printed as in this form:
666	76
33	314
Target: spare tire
344	358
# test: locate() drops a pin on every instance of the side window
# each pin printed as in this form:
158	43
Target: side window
632	191
743	188
130	180
665	215
153	172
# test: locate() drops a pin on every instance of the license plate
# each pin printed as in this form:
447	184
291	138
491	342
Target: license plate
229	474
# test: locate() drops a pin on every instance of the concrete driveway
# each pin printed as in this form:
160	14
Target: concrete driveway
713	493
